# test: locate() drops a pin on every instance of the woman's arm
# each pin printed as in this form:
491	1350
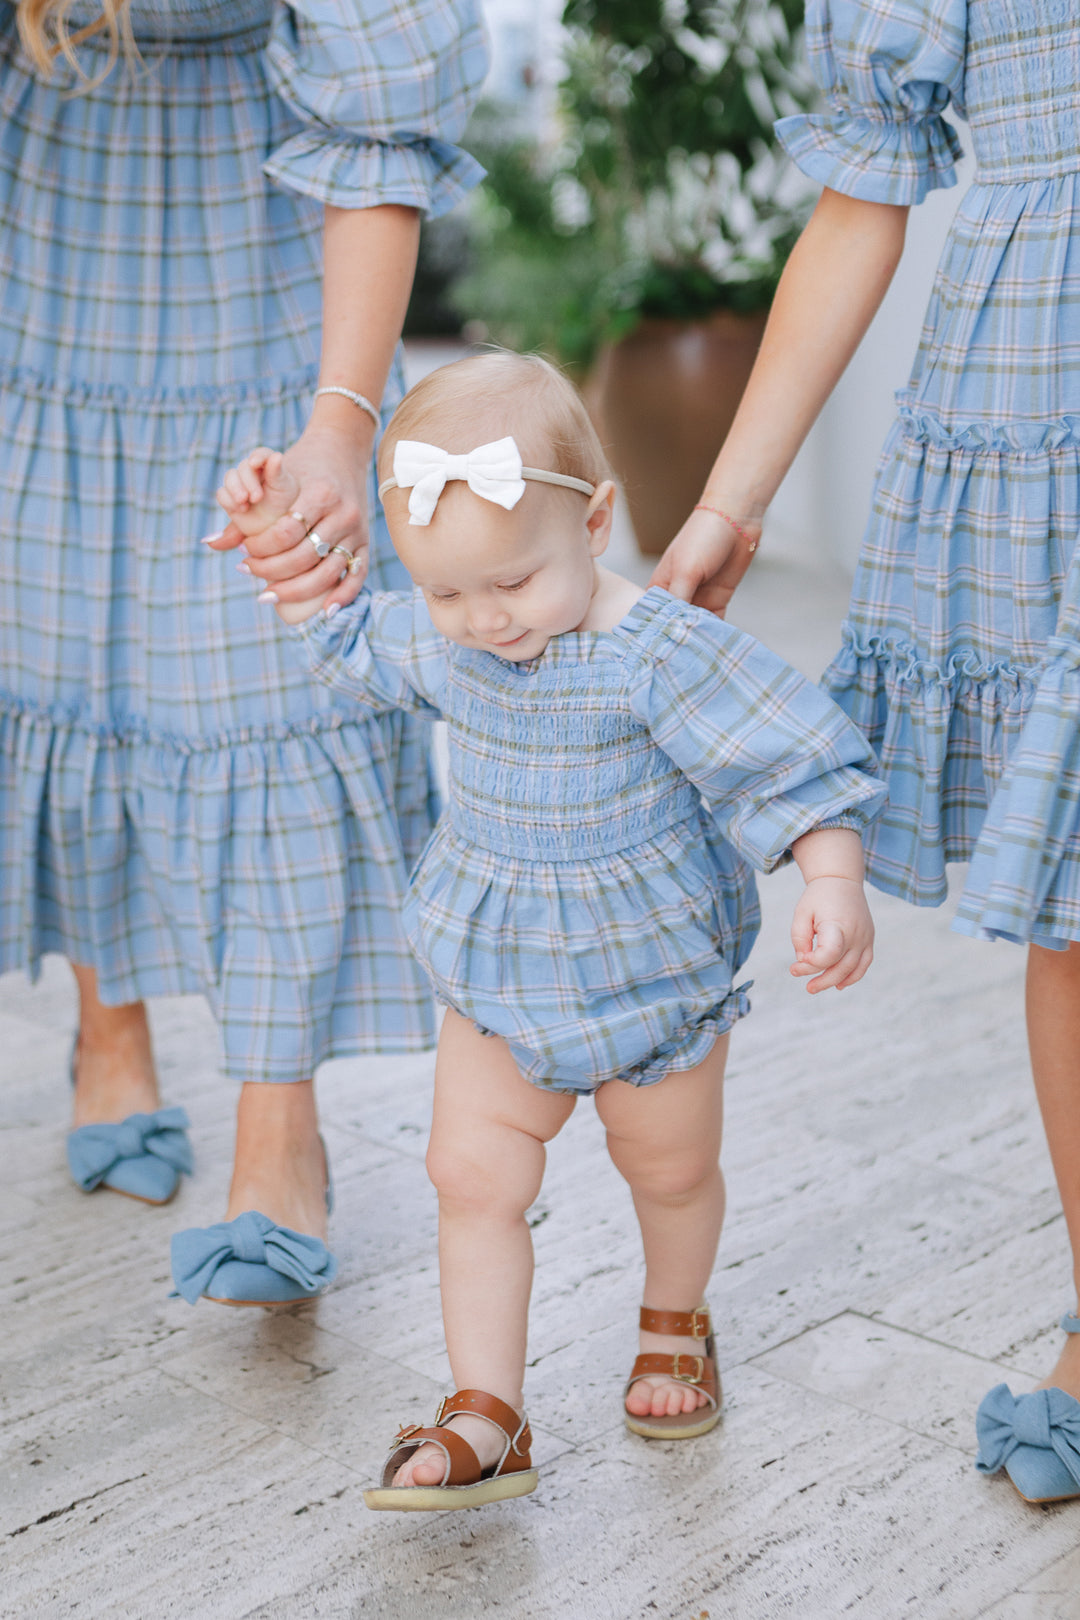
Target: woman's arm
370	259
830	291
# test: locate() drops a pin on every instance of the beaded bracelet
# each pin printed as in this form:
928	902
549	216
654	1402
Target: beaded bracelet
730	521
357	399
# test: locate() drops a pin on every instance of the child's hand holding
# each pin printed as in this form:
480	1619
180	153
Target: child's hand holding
259	492
832	930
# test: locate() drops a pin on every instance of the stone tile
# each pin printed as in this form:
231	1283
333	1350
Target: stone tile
798	1506
317	1388
926	1387
153	1500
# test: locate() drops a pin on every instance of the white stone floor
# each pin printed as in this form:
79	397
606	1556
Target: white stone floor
894	1247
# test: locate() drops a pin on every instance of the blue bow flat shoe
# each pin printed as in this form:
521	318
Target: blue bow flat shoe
142	1157
1035	1438
252	1261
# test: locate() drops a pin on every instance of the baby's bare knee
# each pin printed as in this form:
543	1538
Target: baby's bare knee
670	1178
464	1181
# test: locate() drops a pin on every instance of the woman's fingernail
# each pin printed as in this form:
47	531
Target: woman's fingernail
208	539
267	596
242	568
335	607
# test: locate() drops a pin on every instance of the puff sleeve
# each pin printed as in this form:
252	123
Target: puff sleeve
887	69
771	755
382	651
383	89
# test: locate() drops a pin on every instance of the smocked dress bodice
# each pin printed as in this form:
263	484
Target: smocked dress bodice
588	892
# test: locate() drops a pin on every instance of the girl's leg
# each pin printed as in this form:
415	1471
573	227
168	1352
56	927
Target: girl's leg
1053	1017
114	1063
665	1141
486	1160
279	1166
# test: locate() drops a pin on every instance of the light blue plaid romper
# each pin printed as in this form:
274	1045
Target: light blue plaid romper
586	894
179	807
961	655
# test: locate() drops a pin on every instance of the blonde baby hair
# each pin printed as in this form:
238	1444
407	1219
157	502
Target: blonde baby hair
471	402
46	34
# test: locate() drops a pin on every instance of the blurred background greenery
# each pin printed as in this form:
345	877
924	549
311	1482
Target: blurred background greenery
652	188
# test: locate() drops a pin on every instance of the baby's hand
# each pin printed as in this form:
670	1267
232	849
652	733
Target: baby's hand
258	490
833	933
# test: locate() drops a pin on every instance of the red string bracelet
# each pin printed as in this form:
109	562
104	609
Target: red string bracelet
703	507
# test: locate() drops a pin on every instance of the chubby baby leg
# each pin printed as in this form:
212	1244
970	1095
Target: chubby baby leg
486	1160
665	1141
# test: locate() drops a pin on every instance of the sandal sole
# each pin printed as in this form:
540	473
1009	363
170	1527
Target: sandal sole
1043	1501
656	1430
445	1498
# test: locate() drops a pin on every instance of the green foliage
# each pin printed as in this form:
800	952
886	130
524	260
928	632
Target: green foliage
664	193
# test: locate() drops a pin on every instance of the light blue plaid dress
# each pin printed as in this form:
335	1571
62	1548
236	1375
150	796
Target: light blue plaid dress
961	651
179	807
587	894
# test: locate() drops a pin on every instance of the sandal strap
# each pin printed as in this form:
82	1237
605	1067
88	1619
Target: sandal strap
683	1324
462	1463
516	1429
699	1371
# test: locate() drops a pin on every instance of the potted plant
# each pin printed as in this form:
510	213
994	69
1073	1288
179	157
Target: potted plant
645	240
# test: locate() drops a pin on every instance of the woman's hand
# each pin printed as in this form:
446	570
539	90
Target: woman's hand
329	465
706	560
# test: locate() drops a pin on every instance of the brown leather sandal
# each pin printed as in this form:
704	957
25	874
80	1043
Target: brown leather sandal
699	1371
465	1483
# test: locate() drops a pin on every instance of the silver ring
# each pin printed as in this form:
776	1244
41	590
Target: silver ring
299	517
321	547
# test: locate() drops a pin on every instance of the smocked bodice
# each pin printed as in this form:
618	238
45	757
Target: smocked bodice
1021	88
550	763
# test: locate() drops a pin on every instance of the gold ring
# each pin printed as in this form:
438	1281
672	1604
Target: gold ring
341	551
299	517
356	564
321	547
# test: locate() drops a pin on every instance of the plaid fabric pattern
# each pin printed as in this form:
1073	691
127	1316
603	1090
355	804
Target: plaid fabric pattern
961	636
588	893
179	807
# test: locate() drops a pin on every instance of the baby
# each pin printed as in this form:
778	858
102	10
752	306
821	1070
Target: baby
617	758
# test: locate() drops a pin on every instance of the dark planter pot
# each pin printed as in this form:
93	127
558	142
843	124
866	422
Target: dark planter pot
664	399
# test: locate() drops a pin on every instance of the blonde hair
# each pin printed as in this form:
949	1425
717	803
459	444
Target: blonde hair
45	33
472	401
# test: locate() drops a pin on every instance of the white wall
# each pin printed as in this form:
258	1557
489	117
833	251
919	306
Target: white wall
823	504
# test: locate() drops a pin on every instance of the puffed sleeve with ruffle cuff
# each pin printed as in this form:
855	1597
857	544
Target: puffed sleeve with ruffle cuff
887	69
384	89
771	755
382	651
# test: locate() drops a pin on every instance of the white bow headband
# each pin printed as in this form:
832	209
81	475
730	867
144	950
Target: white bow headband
493	471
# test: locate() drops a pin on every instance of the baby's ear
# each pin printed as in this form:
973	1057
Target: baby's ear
598	518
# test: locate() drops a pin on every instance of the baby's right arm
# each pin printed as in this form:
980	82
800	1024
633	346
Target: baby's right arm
258	492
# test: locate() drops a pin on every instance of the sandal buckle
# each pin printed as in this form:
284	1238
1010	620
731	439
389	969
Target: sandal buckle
688	1378
700	1329
406	1432
443	1404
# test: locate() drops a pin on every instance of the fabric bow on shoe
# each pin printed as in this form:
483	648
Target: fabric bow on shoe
93	1150
492	471
1048	1419
254	1238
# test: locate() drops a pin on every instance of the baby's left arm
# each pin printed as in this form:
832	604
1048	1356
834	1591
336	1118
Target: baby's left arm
832	930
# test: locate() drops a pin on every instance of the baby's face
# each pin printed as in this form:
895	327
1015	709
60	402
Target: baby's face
505	582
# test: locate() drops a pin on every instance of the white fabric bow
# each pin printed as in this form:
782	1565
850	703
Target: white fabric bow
492	471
